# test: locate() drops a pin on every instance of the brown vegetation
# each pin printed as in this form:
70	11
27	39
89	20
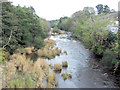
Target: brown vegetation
57	67
57	33
48	51
64	64
62	32
19	69
51	80
66	75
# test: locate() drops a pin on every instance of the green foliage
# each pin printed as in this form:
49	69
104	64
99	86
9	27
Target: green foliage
89	10
21	27
3	55
2	58
56	30
63	23
22	82
92	30
103	9
110	59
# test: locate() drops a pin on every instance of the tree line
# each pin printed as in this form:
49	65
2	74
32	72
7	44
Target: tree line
21	27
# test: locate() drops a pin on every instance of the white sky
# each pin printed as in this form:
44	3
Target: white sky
54	9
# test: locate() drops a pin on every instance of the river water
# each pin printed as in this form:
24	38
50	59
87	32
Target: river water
82	65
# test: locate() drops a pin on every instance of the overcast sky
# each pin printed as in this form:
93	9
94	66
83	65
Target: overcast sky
54	9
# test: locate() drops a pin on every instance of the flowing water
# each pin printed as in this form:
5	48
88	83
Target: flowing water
82	65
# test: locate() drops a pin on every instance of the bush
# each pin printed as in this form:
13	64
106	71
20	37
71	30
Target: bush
110	59
56	30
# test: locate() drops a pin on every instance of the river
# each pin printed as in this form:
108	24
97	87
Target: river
85	69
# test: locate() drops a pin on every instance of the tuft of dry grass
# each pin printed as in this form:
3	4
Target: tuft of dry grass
51	80
48	51
57	33
50	43
51	66
57	67
64	64
26	51
66	75
54	34
62	32
29	50
65	52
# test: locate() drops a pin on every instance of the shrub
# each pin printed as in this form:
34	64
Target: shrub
56	30
110	59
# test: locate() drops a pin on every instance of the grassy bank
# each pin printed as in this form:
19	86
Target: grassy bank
20	71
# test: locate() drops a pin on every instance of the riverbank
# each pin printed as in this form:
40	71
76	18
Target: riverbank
82	67
86	72
27	68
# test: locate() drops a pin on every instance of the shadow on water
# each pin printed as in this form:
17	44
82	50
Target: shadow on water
85	70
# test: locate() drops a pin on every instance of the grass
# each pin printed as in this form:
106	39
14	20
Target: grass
64	64
66	75
26	51
20	69
51	66
33	72
48	51
62	32
51	80
57	67
29	50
